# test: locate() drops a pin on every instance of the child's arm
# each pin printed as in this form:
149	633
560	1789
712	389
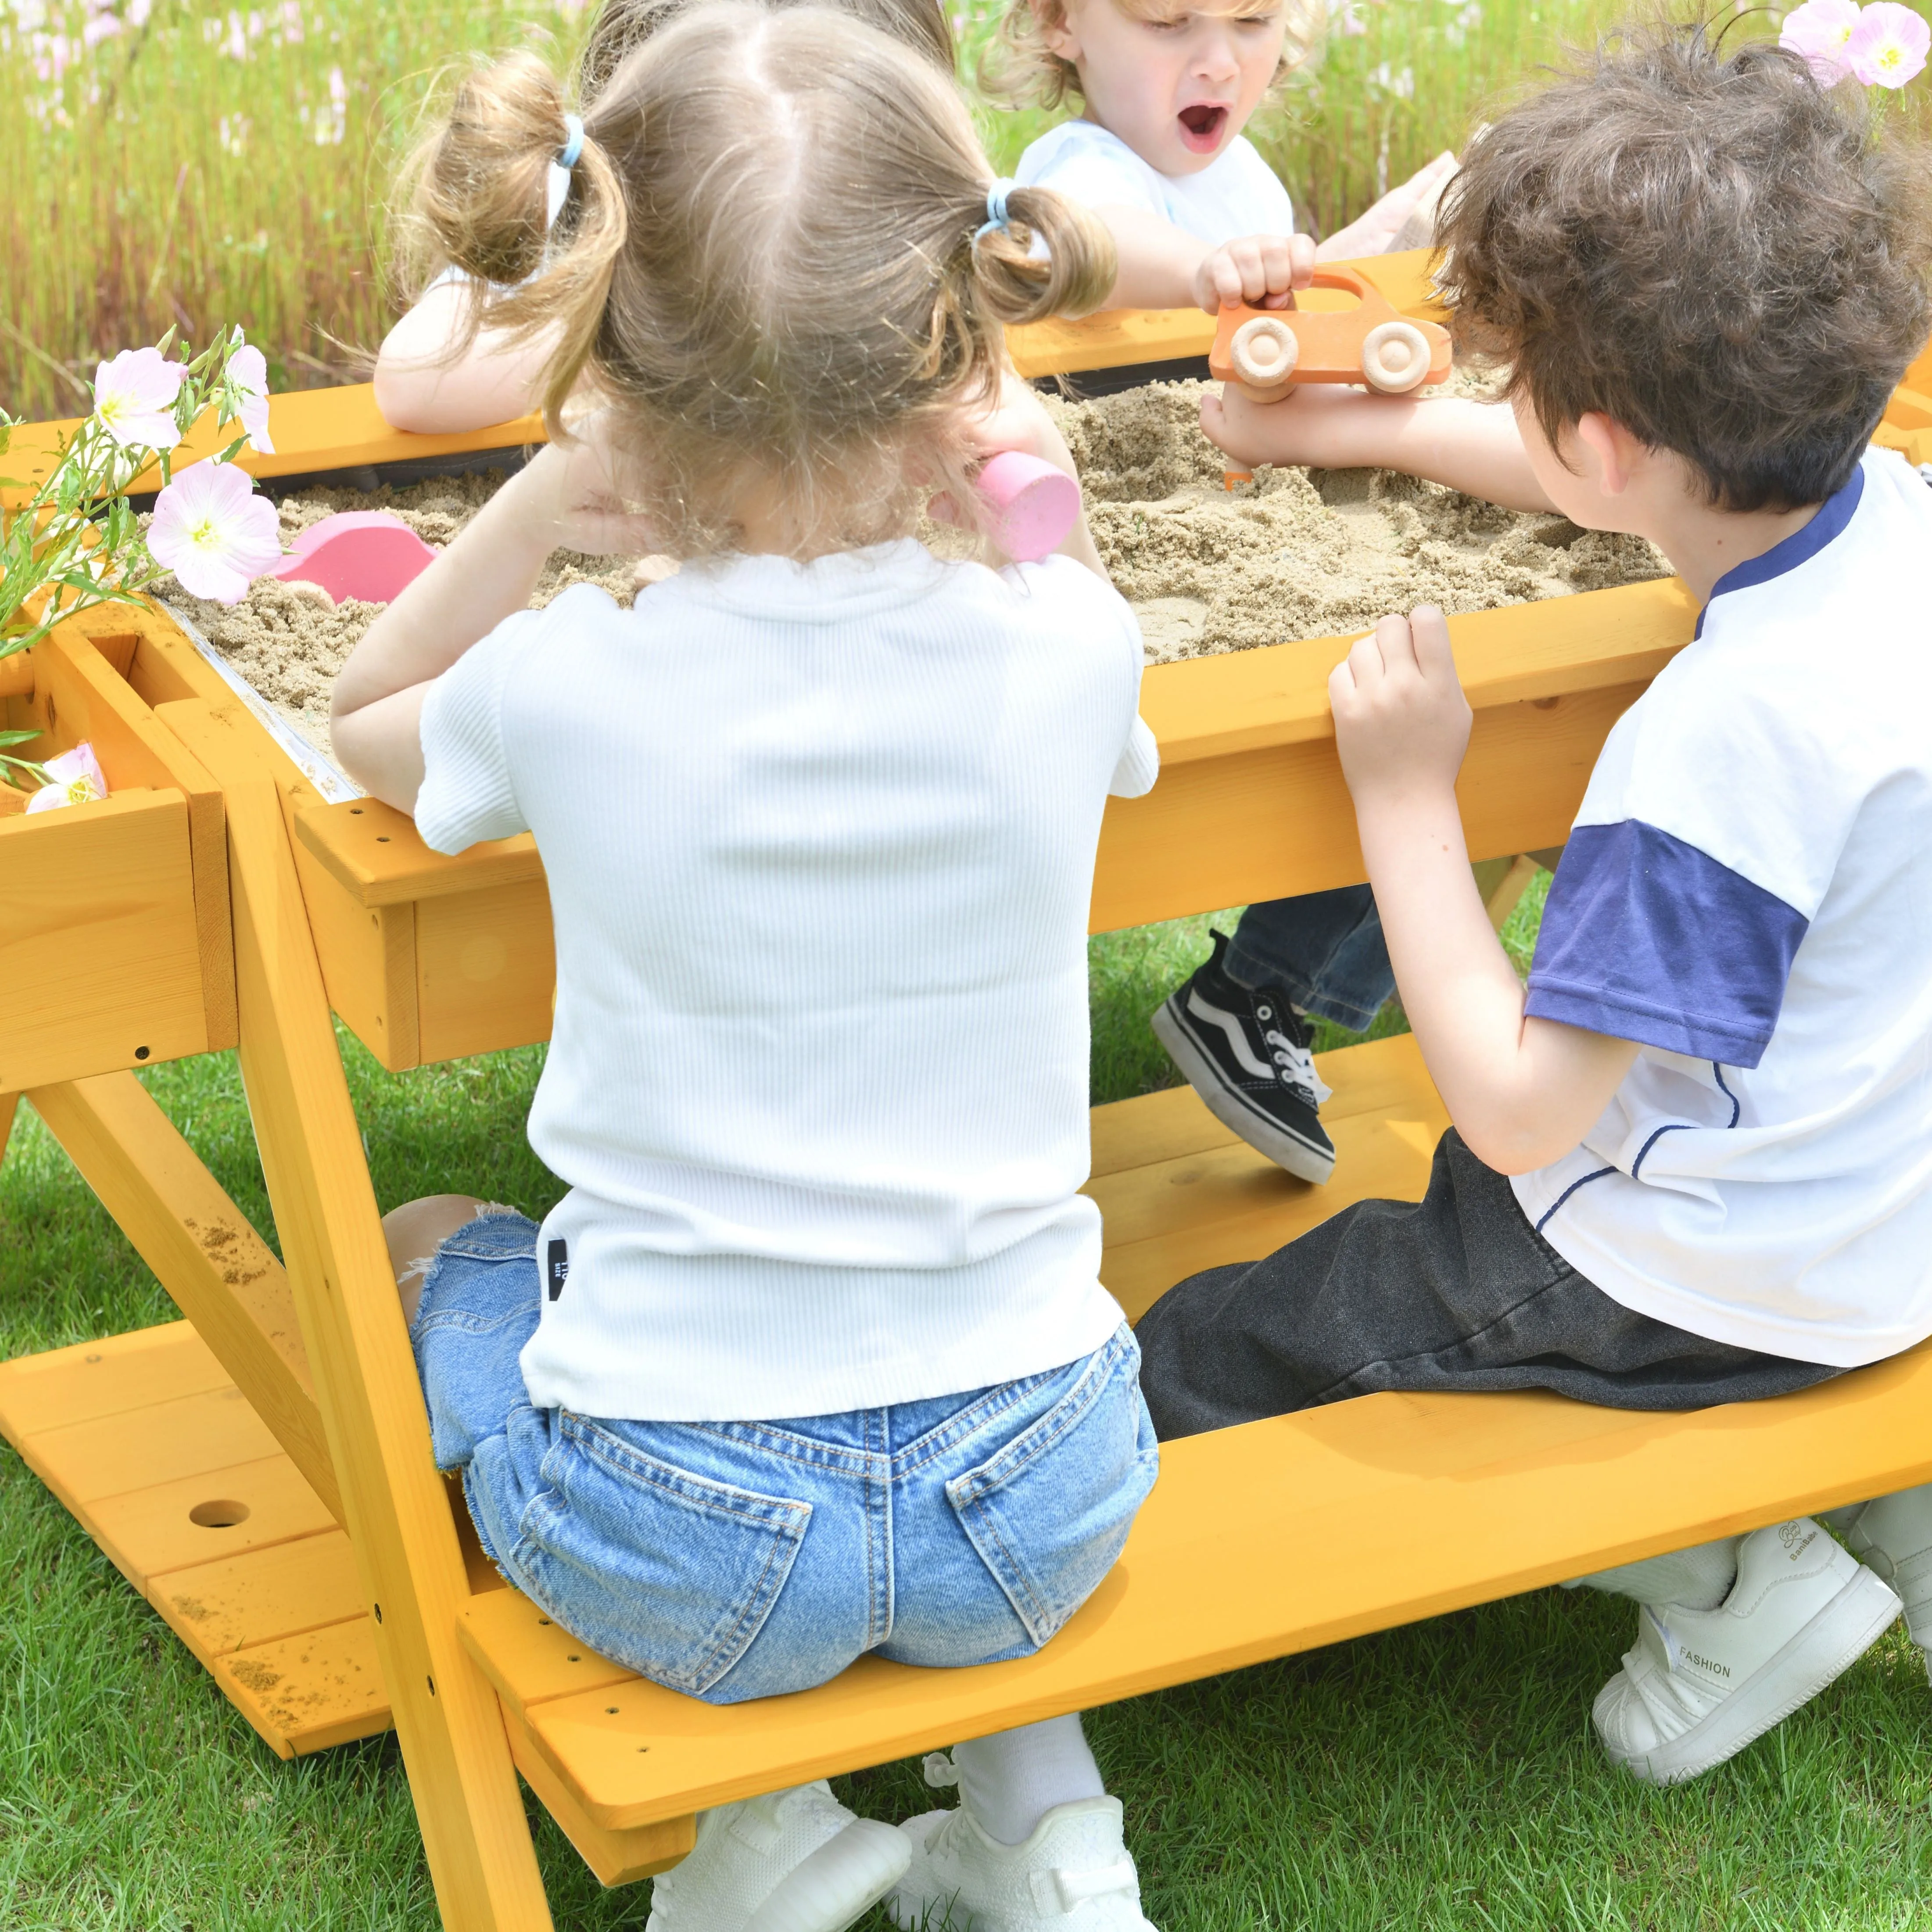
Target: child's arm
1162	266
418	388
1523	1092
561	499
1473	446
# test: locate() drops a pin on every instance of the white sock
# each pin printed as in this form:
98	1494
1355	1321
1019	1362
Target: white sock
1010	1780
1700	1578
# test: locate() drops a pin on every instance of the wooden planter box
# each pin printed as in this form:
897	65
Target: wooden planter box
116	949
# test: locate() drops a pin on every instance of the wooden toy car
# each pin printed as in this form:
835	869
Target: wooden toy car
1267	350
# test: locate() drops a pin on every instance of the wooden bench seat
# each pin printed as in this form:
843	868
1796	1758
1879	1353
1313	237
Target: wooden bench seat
1258	1541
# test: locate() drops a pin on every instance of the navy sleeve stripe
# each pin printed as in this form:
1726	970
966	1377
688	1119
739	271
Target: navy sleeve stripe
1582	1181
1647	938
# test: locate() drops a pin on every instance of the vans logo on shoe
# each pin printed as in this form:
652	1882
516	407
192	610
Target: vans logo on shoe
1796	1537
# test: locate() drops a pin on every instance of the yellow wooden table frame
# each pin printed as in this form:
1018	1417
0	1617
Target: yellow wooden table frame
299	1374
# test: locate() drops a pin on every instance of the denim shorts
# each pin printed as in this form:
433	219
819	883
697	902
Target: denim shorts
732	1560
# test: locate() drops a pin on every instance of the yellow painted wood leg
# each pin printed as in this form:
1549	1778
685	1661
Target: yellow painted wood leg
8	1102
223	1276
468	1805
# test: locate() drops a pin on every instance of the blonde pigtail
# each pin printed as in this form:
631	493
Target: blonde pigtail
566	301
1069	273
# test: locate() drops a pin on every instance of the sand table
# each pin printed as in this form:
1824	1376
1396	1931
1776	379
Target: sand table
1296	554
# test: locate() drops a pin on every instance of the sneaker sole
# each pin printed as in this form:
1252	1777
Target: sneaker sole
1263	1134
839	1883
1827	1647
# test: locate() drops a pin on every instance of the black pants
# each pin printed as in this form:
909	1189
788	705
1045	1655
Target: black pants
1456	1292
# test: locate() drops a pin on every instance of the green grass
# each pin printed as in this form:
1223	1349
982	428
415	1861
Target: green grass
1439	1777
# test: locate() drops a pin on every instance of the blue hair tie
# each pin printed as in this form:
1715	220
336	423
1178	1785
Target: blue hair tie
573	141
996	217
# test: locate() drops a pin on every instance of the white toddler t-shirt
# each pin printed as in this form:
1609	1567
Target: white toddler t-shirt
820	841
1747	891
1236	194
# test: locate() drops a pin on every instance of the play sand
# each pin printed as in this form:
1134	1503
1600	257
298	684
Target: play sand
1296	554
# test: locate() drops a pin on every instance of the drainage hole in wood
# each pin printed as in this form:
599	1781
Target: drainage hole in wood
224	1513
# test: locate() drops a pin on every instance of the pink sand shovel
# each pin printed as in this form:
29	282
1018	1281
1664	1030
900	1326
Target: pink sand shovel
371	555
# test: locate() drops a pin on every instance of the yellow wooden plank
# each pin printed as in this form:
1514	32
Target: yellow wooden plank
475	1834
368	956
199	1518
312	430
376	852
221	1273
617	1858
90	700
93	1379
486	970
304	1694
100	951
531	1659
236	1602
1205	708
1263	824
1311	1529
136	1449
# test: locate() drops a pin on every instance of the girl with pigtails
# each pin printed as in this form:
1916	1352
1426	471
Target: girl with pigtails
444	367
812	1360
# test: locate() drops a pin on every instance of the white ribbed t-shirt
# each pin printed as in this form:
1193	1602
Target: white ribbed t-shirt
819	841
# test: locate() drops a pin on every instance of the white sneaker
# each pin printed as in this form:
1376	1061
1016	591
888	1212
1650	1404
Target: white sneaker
795	1860
1893	1535
1701	1684
1073	1874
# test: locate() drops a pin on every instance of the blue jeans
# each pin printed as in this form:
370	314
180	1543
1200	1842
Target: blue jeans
732	1560
1324	950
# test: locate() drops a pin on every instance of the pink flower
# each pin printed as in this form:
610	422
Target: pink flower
1818	30
248	370
133	396
213	532
1888	46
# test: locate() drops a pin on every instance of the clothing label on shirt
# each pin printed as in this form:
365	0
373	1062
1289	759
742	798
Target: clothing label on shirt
557	1267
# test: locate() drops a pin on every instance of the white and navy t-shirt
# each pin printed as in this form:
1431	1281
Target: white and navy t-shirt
1236	194
820	840
1747	892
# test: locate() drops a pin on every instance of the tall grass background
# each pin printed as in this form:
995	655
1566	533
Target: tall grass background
170	162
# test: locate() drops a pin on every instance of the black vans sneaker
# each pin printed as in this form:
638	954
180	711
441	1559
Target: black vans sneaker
1246	1055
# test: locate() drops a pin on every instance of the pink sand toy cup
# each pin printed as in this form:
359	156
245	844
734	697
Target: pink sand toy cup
1028	506
1033	505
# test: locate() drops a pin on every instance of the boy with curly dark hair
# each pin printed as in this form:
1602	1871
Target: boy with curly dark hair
1691	1162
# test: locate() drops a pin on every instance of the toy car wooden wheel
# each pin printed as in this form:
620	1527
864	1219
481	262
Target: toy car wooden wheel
1264	350
1395	357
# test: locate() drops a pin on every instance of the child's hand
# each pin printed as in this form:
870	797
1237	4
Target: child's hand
1402	723
1261	270
569	497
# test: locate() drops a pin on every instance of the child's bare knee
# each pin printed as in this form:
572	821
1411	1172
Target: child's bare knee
415	1231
